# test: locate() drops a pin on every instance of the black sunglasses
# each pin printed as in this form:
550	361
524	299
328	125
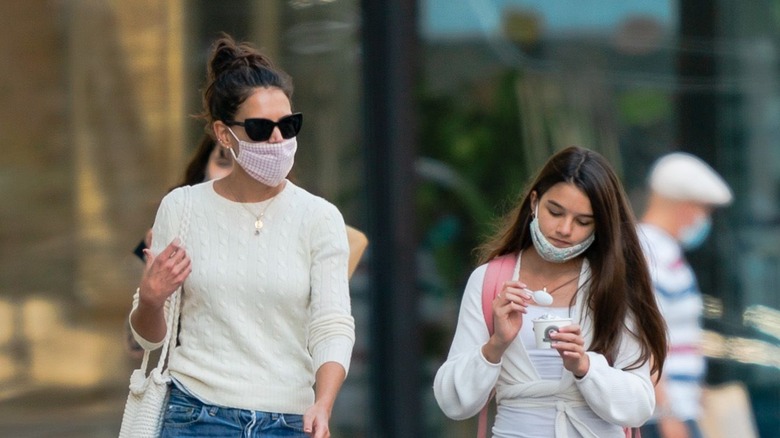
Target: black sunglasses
261	129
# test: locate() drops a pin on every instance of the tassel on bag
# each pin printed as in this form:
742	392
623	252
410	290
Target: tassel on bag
148	394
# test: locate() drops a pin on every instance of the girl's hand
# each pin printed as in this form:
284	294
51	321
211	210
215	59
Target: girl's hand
508	309
571	346
164	274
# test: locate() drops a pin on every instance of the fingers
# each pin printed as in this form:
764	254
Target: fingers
569	342
514	286
317	429
181	271
148	258
514	291
569	334
571	331
148	238
173	257
168	270
171	249
321	432
513	299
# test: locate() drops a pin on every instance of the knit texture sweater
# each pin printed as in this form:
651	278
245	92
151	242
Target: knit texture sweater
260	313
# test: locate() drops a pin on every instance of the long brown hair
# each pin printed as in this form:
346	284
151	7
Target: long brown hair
620	283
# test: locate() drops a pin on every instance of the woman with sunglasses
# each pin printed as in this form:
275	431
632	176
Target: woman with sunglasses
210	162
572	236
266	332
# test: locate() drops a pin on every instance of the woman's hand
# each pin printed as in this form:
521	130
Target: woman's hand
508	309
571	346
164	274
315	421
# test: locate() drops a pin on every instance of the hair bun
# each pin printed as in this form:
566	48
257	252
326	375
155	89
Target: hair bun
228	55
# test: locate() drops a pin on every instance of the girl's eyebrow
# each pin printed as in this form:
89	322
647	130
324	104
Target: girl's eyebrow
557	205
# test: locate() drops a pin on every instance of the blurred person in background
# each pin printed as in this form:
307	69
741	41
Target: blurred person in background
266	331
572	234
684	191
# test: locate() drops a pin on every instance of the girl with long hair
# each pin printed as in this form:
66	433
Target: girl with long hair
572	235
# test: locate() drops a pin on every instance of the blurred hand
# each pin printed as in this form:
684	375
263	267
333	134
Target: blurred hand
671	427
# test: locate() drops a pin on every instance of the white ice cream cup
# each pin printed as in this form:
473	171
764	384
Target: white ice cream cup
546	324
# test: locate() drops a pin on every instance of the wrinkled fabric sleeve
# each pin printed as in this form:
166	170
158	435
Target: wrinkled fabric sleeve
624	397
165	229
463	383
332	327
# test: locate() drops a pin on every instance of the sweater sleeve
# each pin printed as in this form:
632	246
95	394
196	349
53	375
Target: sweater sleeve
165	229
463	383
624	397
332	328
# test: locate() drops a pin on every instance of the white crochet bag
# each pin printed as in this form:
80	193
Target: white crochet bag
149	393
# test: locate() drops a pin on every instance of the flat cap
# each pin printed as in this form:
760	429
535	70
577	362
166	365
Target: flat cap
686	177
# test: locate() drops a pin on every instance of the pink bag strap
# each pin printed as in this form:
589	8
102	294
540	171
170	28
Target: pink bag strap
499	270
632	432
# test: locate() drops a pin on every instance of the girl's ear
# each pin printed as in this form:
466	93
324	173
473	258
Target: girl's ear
533	203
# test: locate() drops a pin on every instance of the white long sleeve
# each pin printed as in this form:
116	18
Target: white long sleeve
260	313
463	383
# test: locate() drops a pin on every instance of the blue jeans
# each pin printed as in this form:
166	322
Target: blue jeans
186	416
650	430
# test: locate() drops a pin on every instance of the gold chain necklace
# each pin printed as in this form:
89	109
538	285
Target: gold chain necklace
258	217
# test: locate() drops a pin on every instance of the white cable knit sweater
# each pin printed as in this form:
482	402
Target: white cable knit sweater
260	313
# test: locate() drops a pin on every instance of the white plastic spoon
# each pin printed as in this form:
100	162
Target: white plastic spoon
541	297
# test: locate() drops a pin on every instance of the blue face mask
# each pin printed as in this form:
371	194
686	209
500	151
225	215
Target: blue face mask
552	253
694	235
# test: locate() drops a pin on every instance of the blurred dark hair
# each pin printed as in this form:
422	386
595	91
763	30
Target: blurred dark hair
195	172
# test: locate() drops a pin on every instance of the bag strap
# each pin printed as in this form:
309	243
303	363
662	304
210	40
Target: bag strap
499	270
632	432
174	301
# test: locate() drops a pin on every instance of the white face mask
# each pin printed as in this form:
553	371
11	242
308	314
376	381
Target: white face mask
269	163
552	253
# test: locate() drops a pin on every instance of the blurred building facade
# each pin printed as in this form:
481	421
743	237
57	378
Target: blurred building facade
97	123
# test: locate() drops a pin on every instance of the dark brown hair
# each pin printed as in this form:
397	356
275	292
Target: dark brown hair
195	172
620	283
234	71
